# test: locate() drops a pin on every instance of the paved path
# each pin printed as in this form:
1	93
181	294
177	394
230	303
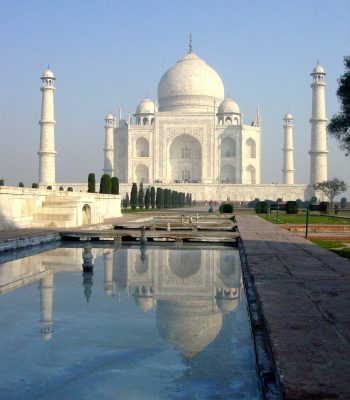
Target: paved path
304	292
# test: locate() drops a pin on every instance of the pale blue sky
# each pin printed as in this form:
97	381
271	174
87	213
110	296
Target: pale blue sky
109	54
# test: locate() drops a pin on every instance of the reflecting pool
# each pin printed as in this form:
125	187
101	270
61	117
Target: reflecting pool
151	322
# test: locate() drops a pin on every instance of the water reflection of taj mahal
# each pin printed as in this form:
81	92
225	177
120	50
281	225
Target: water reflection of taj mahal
188	289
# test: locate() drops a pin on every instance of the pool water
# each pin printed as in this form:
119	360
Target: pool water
151	322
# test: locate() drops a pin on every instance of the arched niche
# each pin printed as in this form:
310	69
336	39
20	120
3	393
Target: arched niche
86	214
251	148
185	158
142	174
228	147
250	174
142	147
228	174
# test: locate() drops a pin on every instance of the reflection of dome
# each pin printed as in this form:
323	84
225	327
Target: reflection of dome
227	305
191	82
184	264
141	266
145	303
146	107
228	106
189	325
46	336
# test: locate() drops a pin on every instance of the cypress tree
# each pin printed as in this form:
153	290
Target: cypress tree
173	199
167	197
133	196
91	183
21	184
105	184
35	186
2	183
126	201
158	197
141	197
153	197
114	185
161	198
147	199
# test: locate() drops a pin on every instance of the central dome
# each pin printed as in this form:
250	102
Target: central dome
190	85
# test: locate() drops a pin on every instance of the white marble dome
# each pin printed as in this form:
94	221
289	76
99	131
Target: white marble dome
190	84
48	74
109	116
288	116
228	106
146	106
318	69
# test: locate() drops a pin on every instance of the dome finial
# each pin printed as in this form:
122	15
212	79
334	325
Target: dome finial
190	45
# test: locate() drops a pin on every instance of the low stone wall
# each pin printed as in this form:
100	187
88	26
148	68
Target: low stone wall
26	207
225	192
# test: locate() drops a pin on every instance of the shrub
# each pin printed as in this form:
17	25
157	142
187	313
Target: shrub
91	183
70	189
133	196
153	197
114	185
2	183
61	188
21	184
300	203
291	207
126	201
35	186
325	207
343	202
261	207
105	185
147	198
141	197
226	208
49	187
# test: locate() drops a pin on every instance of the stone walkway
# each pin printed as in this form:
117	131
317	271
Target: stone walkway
304	292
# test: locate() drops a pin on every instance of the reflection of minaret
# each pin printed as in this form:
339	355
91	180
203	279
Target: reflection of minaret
108	264
87	283
46	297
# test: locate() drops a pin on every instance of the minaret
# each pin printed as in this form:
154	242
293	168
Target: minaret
288	150
47	153
109	152
318	152
46	297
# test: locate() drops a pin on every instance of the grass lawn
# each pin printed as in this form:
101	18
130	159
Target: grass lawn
300	218
336	246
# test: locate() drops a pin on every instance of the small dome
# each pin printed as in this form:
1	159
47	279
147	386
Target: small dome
318	69
226	305
146	106
228	106
109	116
48	74
288	116
144	303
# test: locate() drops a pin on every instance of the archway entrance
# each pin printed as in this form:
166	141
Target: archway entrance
86	214
185	158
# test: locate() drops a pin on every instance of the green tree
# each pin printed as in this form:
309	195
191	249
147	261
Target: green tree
133	196
339	125
159	197
126	201
331	188
147	199
70	189
343	202
35	185
153	197
141	197
61	188
2	183
105	184
21	184
91	183
114	185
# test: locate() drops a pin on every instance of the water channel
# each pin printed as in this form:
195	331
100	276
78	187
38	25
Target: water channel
155	322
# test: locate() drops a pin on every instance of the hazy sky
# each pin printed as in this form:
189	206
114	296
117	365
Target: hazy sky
111	54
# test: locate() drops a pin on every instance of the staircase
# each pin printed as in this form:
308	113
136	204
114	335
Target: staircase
57	212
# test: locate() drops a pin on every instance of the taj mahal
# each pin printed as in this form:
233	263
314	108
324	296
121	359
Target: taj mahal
194	139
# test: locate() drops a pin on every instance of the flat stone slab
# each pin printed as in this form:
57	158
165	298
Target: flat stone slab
304	292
